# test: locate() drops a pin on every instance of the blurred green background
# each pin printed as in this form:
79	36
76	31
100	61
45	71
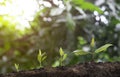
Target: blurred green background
29	25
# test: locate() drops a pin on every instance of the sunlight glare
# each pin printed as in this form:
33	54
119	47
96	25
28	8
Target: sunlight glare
22	10
1	1
96	13
56	2
103	19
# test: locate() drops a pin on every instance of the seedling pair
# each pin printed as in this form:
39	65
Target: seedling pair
93	52
41	57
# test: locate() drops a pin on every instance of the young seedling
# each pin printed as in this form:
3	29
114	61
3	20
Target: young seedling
63	56
93	52
16	67
41	57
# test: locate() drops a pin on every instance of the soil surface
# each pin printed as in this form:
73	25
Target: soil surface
90	69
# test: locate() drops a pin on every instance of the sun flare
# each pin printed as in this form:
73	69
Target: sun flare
22	10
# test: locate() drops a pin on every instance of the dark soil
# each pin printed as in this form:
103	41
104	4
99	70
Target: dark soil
90	69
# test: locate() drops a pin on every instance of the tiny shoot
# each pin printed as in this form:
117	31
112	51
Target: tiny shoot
94	51
41	57
63	56
17	67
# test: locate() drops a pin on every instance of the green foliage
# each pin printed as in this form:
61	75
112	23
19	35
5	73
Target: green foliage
70	22
17	67
92	44
81	52
13	44
81	41
63	56
41	57
86	5
101	49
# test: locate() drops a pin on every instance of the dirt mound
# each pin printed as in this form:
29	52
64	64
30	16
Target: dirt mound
89	69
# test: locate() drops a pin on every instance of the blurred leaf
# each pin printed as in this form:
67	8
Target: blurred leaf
17	53
64	57
92	44
70	22
44	58
7	46
91	7
103	48
82	41
56	63
16	67
61	52
78	1
81	52
87	5
39	57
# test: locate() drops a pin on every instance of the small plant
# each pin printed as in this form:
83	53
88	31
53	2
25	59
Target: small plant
63	56
16	67
94	51
41	57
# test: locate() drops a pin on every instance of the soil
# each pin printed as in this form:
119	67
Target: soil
89	69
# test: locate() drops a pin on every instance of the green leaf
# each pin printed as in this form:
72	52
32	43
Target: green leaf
40	52
44	58
102	48
43	54
61	52
92	44
39	56
87	5
78	1
81	52
16	67
64	57
82	41
91	7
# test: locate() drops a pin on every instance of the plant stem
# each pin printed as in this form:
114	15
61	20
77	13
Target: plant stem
93	54
40	64
60	62
93	57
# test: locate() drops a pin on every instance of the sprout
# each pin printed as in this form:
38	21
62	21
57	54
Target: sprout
41	57
16	67
63	56
92	44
